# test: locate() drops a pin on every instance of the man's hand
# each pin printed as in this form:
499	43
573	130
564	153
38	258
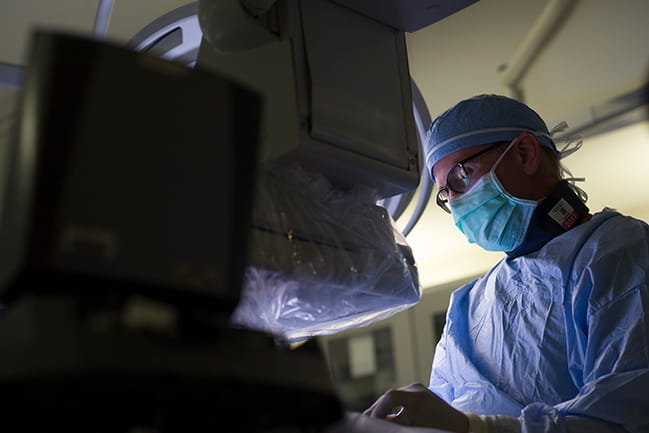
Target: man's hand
416	405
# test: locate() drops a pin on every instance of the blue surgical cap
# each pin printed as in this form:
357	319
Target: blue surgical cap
480	120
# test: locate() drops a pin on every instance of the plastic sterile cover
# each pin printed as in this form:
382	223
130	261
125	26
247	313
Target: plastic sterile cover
322	260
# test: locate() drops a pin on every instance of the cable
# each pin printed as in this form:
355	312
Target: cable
422	120
102	19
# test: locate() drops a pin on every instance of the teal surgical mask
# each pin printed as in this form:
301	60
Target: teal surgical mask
491	217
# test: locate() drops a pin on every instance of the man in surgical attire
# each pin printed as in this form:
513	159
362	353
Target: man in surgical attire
554	338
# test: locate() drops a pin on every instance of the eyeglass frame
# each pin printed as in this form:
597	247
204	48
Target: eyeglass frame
441	201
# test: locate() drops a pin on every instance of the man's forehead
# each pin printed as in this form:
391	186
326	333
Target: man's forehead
454	157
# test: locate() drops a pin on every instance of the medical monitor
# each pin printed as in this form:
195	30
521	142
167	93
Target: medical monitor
127	172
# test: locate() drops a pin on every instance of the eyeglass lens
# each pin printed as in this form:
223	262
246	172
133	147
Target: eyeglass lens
458	179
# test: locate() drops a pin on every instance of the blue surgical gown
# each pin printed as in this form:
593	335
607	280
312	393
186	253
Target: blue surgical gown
562	332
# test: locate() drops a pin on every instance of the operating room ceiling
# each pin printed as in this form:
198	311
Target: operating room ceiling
596	53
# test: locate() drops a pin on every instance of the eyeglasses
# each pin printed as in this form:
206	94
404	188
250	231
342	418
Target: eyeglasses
458	178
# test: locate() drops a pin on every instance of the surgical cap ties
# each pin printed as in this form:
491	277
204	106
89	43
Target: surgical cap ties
566	147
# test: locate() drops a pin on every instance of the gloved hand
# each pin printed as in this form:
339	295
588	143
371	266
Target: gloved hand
416	405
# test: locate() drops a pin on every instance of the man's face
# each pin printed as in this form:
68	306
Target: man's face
519	172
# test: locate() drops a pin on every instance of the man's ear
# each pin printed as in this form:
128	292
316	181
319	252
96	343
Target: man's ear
528	152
